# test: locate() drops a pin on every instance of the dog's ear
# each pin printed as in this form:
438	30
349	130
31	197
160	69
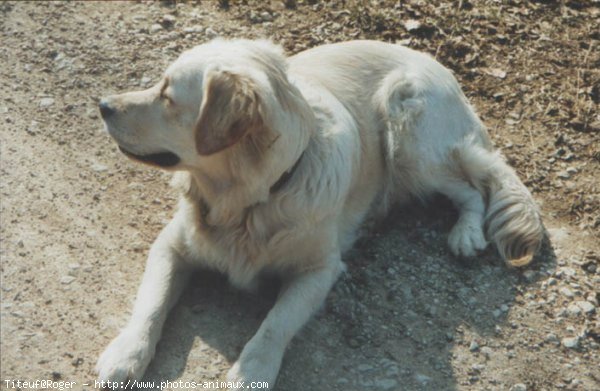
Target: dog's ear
230	108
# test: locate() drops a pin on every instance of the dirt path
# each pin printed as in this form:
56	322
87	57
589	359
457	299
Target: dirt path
77	218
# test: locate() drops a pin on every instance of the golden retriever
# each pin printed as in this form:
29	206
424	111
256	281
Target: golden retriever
279	161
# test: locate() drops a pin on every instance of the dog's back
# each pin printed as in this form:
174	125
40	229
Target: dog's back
412	114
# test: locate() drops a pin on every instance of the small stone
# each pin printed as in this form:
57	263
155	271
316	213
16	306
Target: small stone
99	167
193	30
354	343
571	170
364	367
573	309
386	384
266	17
168	20
570	342
567	271
74	266
585	306
529	275
145	81
66	280
155	28
210	33
566	292
412	25
77	361
474	346
558	234
563	175
46	102
551	338
519	387
423	379
487	351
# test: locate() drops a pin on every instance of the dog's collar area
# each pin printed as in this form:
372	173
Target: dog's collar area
161	159
204	208
285	177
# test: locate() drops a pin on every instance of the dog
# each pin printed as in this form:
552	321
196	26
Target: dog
280	159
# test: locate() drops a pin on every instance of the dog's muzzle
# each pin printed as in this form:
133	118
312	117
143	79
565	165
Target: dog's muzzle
161	159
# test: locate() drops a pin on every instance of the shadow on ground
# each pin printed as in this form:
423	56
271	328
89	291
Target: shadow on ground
399	319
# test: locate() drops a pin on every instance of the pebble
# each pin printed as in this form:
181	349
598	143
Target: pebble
551	338
46	102
99	167
570	342
529	275
573	309
566	271
566	292
518	387
169	19
564	175
66	280
411	25
558	234
155	28
145	81
585	306
193	30
423	379
364	367
210	33
386	384
474	346
266	17
487	351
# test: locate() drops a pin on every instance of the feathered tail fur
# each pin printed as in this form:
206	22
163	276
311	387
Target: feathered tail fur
512	219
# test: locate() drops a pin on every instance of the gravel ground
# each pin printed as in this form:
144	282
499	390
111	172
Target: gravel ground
77	217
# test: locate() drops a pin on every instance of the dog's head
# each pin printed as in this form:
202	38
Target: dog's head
216	98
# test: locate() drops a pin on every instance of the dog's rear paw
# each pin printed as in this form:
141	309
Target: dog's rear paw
466	238
126	358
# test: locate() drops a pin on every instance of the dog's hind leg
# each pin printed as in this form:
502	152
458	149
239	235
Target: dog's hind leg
467	236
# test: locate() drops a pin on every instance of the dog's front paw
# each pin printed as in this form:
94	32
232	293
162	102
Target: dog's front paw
255	365
125	358
466	238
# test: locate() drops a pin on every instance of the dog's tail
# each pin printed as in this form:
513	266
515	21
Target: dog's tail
512	219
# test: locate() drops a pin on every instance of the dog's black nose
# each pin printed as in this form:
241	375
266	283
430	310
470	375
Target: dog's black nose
105	109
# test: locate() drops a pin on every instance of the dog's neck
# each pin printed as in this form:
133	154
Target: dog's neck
229	196
285	177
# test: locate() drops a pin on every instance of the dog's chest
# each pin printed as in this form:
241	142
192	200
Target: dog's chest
259	242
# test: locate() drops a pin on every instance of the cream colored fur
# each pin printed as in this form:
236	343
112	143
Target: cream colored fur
370	125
